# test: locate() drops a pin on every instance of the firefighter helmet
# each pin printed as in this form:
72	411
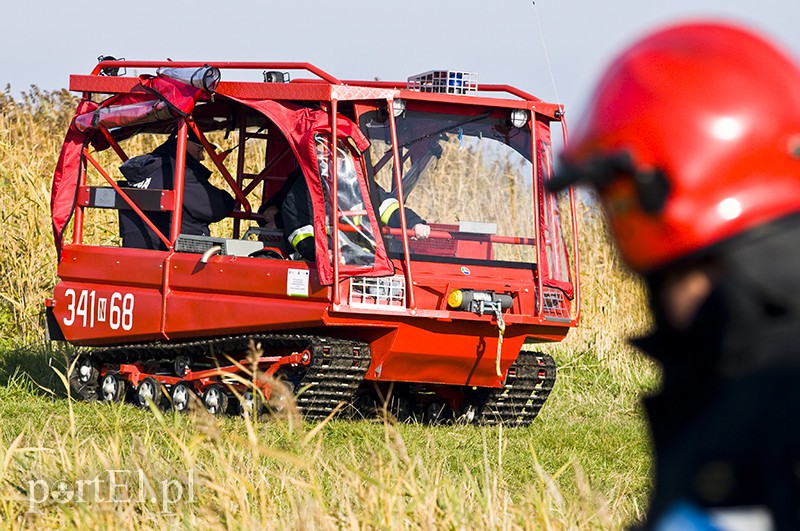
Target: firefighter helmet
692	137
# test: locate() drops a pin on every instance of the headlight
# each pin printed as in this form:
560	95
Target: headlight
518	117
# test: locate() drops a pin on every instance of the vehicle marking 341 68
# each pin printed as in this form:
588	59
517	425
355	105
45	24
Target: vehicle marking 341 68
85	308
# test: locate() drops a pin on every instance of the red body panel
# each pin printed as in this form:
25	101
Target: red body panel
233	295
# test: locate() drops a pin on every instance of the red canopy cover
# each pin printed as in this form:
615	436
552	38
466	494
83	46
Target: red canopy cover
301	125
123	109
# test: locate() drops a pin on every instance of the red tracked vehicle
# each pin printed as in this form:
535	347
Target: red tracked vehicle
436	324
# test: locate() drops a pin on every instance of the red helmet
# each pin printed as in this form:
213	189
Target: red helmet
692	137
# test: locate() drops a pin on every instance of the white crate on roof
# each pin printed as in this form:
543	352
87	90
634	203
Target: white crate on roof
445	82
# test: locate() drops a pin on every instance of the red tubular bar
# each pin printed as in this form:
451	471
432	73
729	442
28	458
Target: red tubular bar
262	175
412	304
77	224
575	248
217	159
470	236
258	179
400	85
541	250
234	65
240	164
139	212
510	89
114	144
334	110
180	169
175	227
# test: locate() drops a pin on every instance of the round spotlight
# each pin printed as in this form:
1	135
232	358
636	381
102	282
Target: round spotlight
518	117
398	107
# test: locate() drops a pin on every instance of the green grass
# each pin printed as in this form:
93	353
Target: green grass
582	464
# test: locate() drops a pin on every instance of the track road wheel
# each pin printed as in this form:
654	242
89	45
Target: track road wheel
281	398
215	399
399	407
84	378
438	413
474	404
367	407
182	396
278	404
113	387
251	403
181	366
149	390
469	415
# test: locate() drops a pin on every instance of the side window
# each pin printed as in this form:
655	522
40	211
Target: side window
557	265
356	233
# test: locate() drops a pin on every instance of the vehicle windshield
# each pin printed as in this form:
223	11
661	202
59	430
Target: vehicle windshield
468	175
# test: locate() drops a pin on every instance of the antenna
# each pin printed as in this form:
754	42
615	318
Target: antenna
546	55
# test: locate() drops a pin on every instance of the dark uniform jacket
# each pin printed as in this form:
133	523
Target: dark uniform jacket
726	422
203	203
296	215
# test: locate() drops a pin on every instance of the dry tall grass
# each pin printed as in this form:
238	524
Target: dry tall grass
31	133
614	304
221	477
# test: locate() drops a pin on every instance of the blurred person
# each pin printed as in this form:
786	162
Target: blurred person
203	203
692	142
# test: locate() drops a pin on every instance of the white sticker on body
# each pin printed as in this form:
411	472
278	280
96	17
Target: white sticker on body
297	282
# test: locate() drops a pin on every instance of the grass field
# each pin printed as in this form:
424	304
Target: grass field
65	464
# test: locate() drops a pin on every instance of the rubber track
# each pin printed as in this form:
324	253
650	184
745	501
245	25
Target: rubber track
336	371
530	380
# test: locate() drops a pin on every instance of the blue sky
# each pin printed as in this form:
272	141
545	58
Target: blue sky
352	39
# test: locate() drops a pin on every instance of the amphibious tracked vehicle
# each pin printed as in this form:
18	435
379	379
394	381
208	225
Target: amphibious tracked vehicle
438	327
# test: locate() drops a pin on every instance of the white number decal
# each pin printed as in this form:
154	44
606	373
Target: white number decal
127	312
114	313
70	318
91	309
81	311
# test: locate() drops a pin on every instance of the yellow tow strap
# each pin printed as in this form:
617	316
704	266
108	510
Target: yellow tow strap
501	328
